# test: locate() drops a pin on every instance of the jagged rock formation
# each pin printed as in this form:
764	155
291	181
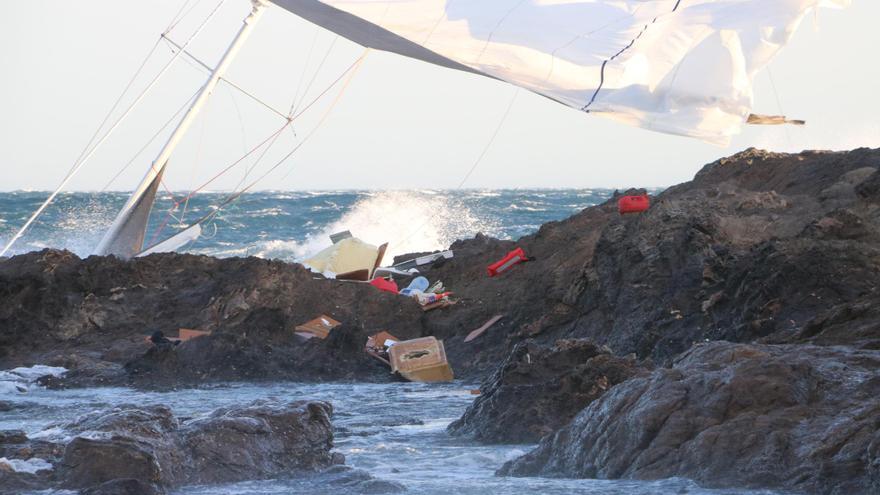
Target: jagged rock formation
799	417
147	448
781	251
538	390
759	246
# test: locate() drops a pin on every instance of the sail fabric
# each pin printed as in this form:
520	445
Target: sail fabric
675	66
127	239
175	242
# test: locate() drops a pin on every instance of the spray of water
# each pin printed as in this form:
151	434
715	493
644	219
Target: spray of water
410	221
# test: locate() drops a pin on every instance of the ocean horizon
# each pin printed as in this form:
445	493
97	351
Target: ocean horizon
291	224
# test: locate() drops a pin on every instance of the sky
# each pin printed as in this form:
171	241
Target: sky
399	124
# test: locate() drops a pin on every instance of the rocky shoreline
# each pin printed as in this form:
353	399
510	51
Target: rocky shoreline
730	334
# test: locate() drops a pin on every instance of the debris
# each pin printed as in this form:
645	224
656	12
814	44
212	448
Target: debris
423	260
430	298
348	259
388	271
437	288
185	334
633	204
475	391
421	360
514	257
417	286
386	285
345	234
443	303
476	333
319	327
378	344
159	337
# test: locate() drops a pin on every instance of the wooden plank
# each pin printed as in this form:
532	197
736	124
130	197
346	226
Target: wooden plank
476	333
185	334
443	303
319	327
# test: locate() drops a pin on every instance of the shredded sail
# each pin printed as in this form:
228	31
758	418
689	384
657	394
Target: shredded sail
676	66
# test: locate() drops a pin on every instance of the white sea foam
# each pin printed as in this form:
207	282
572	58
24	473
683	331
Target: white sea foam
19	380
31	465
408	221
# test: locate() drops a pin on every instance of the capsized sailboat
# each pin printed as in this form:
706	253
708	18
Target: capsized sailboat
682	67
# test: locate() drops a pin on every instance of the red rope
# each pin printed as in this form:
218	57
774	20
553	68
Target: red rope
212	179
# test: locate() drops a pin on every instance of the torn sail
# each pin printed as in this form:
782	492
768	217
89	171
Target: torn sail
676	66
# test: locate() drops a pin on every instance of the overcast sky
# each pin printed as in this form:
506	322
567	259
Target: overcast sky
399	124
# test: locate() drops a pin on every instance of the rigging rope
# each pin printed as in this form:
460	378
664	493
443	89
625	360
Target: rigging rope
305	68
116	103
473	167
150	141
227	81
779	106
101	141
212	179
350	71
178	18
315	75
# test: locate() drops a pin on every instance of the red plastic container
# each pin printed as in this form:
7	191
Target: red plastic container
386	285
633	204
504	264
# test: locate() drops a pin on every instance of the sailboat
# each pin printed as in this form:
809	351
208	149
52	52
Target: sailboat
681	67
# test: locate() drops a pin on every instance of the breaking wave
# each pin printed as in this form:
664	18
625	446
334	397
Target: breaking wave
293	225
408	221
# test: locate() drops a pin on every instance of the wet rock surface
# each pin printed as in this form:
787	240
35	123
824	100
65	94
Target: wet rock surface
538	390
146	449
804	418
759	246
777	251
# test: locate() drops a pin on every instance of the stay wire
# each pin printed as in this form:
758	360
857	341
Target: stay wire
476	163
150	141
194	62
315	75
779	106
82	161
233	197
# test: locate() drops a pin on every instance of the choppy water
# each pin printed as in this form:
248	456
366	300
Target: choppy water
291	224
394	431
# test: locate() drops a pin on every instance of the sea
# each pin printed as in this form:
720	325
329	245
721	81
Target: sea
290	225
396	431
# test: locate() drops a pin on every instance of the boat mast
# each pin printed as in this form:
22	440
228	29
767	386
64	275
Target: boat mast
110	243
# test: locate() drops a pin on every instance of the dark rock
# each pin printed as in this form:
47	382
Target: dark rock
753	249
148	445
802	418
124	487
356	481
8	437
538	390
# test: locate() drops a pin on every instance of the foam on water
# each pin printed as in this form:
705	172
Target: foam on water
394	431
408	221
31	465
21	380
291	225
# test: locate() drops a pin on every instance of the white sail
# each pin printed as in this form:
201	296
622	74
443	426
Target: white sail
125	236
676	66
176	241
